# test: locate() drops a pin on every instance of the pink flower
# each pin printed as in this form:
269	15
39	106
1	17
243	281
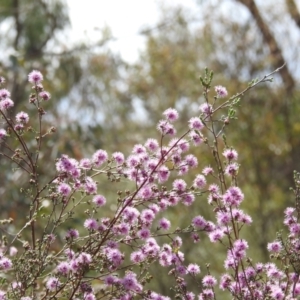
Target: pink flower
165	128
90	224
45	95
216	235
64	189
191	161
118	157
115	256
2	295
52	284
195	123
3	133
99	157
19	127
138	149
196	138
221	91
35	77
85	163
163	174
164	224
199	182
111	280
183	145
274	247
231	169
144	233
89	296
6	104
152	144
137	256
147	215
179	185
207	171
171	114
22	117
188	199
99	200
63	268
130	282
13	251
230	154
193	269
209	281
199	222
4	94
90	185
206	109
72	233
123	228
84	258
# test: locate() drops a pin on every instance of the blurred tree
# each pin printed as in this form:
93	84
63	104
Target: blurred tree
84	81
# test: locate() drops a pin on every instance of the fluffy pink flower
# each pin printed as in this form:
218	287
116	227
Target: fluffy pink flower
195	123
5	263
171	114
165	128
6	104
99	157
221	91
130	282
191	160
45	95
137	256
52	284
138	149
4	93
63	268
199	222
90	224
72	233
3	133
230	154
207	171
274	247
99	200
179	185
64	189
188	199
144	233
118	157
90	185
209	281
231	169
85	163
84	258
196	138
193	269
206	109
22	117
199	181
35	77
152	144
164	224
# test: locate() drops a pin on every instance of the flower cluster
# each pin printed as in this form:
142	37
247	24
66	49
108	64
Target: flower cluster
117	250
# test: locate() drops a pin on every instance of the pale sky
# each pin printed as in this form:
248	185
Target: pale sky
124	17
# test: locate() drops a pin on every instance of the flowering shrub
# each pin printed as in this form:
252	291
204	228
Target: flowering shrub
117	251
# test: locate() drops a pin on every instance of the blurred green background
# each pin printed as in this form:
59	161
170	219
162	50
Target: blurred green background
101	101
